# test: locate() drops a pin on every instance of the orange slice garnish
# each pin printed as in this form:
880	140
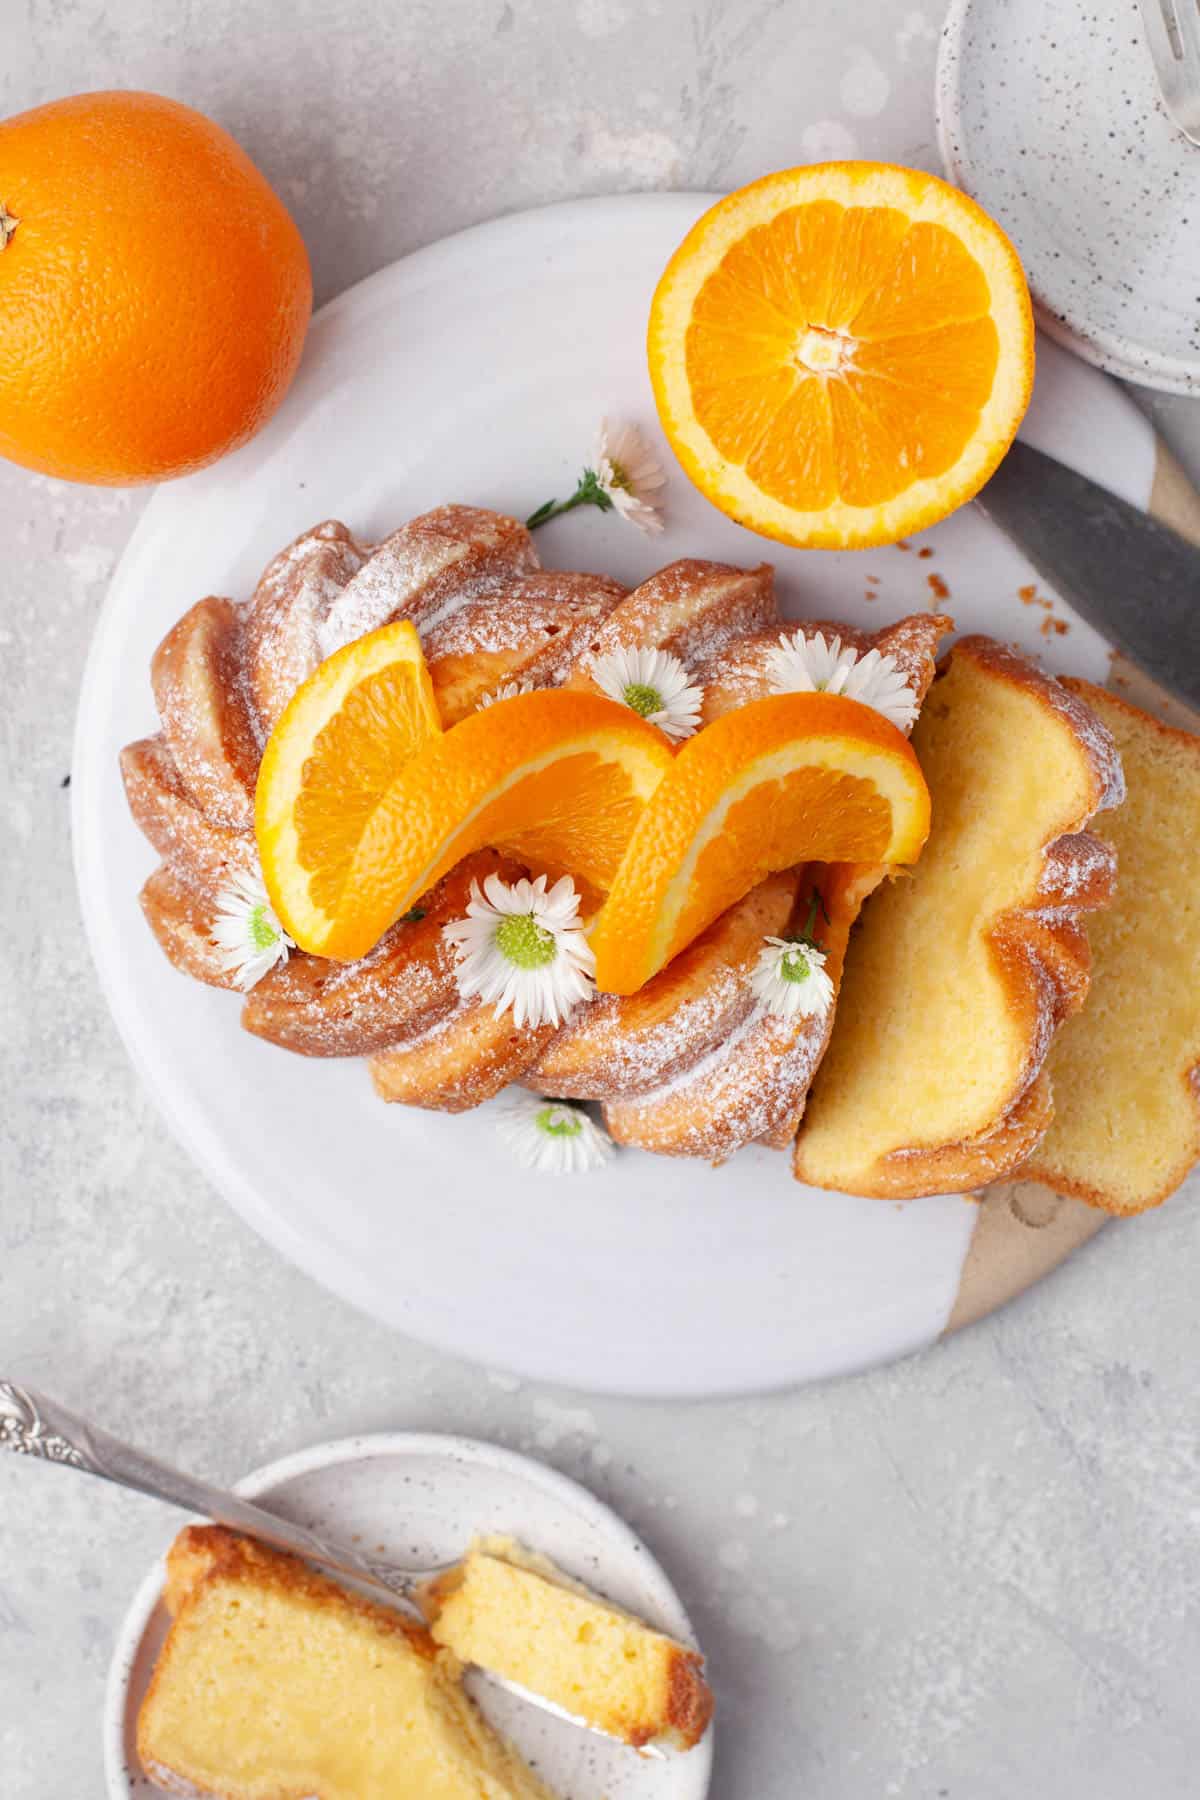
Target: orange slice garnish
788	779
557	779
343	738
841	354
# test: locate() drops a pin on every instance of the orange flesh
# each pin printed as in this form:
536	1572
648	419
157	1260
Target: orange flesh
785	779
847	816
578	816
842	353
353	760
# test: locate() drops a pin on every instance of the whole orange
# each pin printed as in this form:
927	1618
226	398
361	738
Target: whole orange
154	290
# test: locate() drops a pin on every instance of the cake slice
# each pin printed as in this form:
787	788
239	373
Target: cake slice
959	975
276	1684
1126	1071
518	1616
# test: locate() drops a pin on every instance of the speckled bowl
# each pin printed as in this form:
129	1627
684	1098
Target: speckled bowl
420	1498
1049	114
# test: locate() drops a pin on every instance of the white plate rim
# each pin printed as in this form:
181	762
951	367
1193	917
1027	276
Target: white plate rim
1111	351
364	1447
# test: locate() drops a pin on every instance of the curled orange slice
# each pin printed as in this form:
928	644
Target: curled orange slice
557	779
342	740
788	779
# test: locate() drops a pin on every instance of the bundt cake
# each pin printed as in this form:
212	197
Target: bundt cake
275	1683
1126	1071
686	1066
517	1615
960	974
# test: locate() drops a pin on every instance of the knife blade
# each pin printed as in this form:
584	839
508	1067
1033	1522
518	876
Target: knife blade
1134	579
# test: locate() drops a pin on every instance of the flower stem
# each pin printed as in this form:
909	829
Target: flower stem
588	493
815	899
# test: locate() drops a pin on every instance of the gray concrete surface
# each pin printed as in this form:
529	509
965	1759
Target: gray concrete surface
969	1577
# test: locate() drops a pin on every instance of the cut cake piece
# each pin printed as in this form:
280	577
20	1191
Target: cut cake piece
274	1683
517	1615
1126	1071
960	973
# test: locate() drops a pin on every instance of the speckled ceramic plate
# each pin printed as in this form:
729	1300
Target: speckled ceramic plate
420	1499
1049	113
477	370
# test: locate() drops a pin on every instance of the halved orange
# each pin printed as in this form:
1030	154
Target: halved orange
556	778
343	738
841	354
788	779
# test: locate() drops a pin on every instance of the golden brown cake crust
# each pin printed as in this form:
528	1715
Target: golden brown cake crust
1040	953
196	674
402	989
182	921
690	1699
201	1552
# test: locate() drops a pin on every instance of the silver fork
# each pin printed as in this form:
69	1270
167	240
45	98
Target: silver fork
31	1425
1173	28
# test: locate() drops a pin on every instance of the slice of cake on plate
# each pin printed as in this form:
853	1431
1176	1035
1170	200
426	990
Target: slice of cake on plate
275	1683
517	1615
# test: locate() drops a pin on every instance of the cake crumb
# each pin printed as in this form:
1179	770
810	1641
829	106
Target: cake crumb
926	550
937	587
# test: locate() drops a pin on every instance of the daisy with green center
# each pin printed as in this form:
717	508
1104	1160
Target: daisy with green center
246	931
554	1137
523	948
789	979
625	478
805	664
653	683
509	691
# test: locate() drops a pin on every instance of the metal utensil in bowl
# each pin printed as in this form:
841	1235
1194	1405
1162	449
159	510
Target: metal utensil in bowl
1173	30
31	1425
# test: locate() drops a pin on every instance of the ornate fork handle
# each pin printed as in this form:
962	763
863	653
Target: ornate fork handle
32	1425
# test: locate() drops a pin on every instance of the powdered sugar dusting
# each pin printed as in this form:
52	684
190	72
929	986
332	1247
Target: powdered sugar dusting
749	1088
528	614
626	1061
1079	870
290	605
436	564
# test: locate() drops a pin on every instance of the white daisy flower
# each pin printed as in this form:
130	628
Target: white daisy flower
806	664
509	691
629	472
247	931
789	978
553	1136
653	683
524	948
